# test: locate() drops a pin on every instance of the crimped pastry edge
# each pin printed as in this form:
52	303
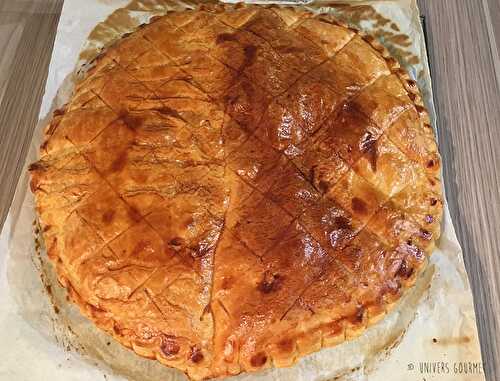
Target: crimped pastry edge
351	331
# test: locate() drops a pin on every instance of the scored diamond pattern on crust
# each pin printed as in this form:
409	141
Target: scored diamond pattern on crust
232	188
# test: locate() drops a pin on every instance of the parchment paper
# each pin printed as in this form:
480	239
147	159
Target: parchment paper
431	335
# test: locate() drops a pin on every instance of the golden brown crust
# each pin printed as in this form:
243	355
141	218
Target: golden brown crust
235	187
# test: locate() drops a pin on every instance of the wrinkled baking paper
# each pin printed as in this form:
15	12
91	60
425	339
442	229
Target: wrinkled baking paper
431	335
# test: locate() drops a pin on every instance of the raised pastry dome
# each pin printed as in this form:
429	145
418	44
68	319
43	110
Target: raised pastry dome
235	187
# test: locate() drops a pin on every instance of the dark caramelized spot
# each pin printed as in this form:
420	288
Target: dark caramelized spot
154	18
227	283
368	146
316	175
176	241
292	49
323	186
167	111
286	345
412	83
200	250
108	216
53	127
223	37
134	214
359	206
400	71
391	61
270	282
404	271
36	166
119	163
131	121
369	39
59	112
258	360
117	330
342	222
433	201
139	248
357	317
44	145
425	234
206	310
169	346
420	109
359	314
333	328
431	164
351	256
250	54
195	355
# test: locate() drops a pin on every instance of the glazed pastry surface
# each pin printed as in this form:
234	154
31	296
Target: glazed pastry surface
233	188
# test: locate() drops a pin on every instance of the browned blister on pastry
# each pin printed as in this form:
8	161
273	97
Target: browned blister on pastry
232	188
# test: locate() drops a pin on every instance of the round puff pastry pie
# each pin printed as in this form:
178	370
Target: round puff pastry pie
235	187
